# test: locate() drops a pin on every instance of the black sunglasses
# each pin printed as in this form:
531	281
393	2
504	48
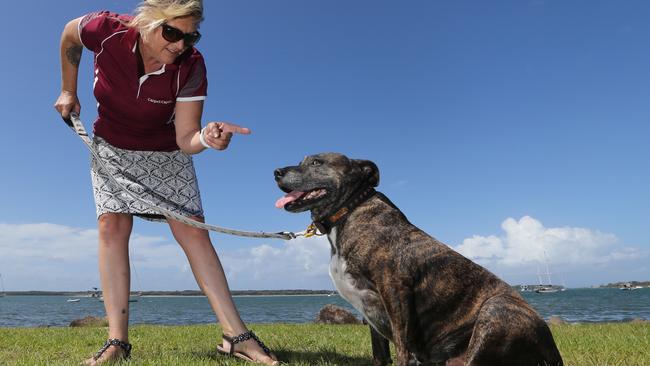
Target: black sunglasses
171	34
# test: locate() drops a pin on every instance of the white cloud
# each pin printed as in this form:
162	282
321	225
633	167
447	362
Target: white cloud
526	244
298	263
47	256
42	241
482	248
527	240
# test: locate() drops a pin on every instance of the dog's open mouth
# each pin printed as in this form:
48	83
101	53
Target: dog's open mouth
295	199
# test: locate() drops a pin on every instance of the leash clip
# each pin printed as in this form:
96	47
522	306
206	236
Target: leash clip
311	231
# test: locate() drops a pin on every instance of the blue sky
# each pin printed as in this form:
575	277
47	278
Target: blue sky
514	131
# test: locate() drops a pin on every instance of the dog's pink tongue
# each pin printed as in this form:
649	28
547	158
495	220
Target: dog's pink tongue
289	197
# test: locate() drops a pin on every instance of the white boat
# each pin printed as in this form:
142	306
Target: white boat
546	289
628	287
73	300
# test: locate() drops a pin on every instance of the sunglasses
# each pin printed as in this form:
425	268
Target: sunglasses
173	35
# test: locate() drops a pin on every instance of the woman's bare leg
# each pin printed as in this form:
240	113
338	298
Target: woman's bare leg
211	278
114	272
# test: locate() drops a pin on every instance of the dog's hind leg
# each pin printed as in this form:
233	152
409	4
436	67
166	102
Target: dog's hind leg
508	332
380	349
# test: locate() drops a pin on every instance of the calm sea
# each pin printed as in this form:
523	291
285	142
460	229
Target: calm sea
573	305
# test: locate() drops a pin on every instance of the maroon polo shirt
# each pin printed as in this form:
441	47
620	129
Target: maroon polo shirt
136	112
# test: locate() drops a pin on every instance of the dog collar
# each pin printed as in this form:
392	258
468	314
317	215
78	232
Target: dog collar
331	221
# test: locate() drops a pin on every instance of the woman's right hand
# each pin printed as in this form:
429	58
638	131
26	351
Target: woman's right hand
66	103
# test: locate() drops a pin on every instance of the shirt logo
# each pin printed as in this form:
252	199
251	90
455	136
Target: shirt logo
158	101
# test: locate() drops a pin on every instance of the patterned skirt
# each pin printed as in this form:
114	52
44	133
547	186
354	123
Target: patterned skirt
164	179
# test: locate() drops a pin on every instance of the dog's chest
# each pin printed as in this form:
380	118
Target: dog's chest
346	284
364	300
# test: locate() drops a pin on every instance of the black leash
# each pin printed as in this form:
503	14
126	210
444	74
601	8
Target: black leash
74	122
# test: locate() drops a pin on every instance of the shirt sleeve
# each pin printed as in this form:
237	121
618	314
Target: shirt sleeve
196	86
95	27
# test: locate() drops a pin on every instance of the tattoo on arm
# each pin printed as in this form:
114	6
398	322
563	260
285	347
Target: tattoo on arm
74	55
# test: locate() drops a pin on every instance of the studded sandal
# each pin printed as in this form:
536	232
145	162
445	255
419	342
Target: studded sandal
126	347
243	338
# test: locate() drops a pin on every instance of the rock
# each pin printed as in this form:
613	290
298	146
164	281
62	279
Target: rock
555	320
638	321
332	314
90	321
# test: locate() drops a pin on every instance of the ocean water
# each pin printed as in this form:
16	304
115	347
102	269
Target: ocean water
573	305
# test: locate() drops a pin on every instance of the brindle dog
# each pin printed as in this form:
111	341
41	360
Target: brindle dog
436	306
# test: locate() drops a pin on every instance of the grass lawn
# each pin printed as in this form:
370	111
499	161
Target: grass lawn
295	344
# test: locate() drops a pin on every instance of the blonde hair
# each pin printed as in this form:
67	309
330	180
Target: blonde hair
150	14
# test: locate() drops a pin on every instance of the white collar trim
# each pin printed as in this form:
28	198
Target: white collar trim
144	77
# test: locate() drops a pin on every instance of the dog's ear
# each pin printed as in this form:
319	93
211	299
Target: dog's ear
370	171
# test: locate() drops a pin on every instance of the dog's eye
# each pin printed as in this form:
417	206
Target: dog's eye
316	162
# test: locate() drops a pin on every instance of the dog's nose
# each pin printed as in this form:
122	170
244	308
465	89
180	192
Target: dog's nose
279	173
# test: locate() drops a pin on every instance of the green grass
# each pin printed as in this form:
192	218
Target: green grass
604	344
295	344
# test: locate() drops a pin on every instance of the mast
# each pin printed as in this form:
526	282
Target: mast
548	273
137	280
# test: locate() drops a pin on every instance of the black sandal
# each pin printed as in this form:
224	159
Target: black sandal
243	338
126	347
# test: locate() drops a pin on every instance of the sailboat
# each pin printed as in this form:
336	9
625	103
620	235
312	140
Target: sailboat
549	287
132	297
137	294
2	287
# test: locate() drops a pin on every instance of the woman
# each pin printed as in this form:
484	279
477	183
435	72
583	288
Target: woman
150	84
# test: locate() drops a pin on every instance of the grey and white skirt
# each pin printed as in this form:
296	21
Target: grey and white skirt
164	179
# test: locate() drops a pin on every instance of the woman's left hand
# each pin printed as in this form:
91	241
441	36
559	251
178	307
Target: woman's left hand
218	134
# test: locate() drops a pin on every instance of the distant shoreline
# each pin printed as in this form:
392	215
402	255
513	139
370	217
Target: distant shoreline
184	293
642	284
244	293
